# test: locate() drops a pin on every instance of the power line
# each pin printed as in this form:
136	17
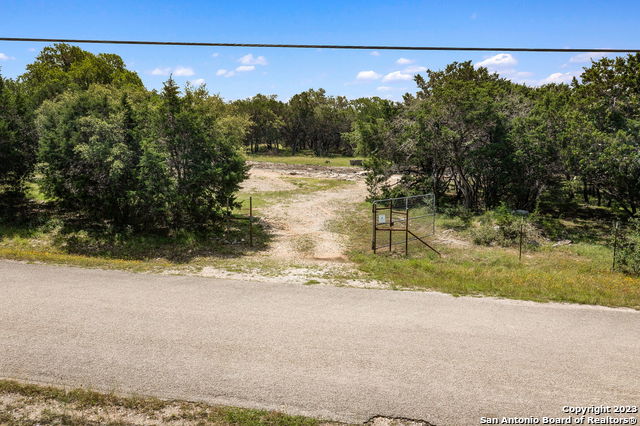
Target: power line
324	46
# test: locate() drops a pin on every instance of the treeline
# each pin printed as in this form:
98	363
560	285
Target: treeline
488	141
104	147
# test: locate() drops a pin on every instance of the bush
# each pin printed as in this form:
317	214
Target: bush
136	159
17	147
502	227
628	254
485	235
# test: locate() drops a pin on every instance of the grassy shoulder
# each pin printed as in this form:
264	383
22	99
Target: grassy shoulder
306	160
578	273
29	404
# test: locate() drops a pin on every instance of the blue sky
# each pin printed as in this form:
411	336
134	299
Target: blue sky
238	73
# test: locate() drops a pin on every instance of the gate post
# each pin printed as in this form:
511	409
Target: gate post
406	231
374	227
390	224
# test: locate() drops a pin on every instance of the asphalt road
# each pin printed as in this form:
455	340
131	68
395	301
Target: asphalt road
338	353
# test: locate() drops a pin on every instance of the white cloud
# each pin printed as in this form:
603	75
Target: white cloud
384	88
4	57
375	53
178	71
215	54
473	16
32	49
404	61
197	81
252	60
224	73
511	72
497	61
396	76
183	72
586	57
559	77
415	69
161	71
245	68
368	75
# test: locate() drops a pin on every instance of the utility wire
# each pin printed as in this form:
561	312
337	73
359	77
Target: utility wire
322	46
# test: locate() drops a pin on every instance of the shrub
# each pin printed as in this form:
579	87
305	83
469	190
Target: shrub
17	146
628	254
138	159
485	234
502	227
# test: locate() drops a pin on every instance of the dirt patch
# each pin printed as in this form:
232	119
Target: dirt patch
300	225
324	273
264	180
346	173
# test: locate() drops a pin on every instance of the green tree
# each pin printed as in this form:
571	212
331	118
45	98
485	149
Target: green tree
129	157
607	123
317	122
266	129
17	146
62	66
206	164
90	152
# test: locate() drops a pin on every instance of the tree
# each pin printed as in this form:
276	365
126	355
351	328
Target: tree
608	139
89	153
203	161
133	158
370	124
62	66
315	121
266	129
488	139
17	146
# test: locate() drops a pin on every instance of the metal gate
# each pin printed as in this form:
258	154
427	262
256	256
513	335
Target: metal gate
399	221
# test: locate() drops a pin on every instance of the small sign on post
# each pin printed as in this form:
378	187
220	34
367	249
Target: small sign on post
382	218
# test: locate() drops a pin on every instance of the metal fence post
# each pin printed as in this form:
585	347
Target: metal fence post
250	221
390	224
433	209
374	227
615	244
520	252
406	230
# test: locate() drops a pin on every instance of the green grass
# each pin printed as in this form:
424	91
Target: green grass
77	406
577	273
306	160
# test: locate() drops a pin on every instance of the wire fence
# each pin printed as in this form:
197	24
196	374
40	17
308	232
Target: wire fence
397	224
402	221
240	221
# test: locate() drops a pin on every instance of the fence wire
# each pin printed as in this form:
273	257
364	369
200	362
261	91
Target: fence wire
403	221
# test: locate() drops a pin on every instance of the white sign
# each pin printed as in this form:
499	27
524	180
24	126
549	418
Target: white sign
382	218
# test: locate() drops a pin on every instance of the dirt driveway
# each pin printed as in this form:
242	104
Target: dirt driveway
305	249
301	224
